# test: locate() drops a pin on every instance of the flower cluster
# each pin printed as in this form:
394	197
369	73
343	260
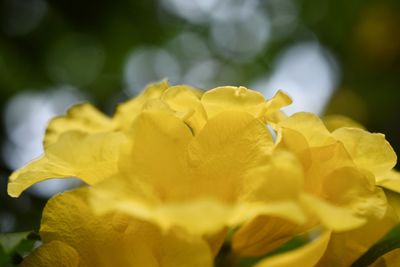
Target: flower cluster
178	172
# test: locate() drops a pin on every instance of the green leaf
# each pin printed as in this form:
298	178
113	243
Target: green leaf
388	243
14	246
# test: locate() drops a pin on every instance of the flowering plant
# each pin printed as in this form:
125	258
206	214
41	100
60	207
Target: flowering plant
182	177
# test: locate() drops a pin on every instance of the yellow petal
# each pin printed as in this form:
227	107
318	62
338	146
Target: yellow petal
68	218
277	177
230	145
52	254
208	174
205	165
186	102
295	142
349	188
323	161
392	258
389	180
280	178
157	156
369	151
262	235
332	217
310	126
181	97
278	101
216	240
272	107
346	247
90	157
180	250
189	215
305	256
393	199
127	112
233	98
82	117
333	122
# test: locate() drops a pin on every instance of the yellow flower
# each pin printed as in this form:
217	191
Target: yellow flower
339	189
73	236
346	247
214	153
69	137
175	181
215	150
372	156
178	159
178	136
340	166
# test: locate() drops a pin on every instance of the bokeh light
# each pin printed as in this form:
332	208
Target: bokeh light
145	65
241	37
307	72
196	11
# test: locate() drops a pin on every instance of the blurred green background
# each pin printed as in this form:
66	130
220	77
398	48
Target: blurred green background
333	56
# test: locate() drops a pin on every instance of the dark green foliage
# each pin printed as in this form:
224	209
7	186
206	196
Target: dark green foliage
15	246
